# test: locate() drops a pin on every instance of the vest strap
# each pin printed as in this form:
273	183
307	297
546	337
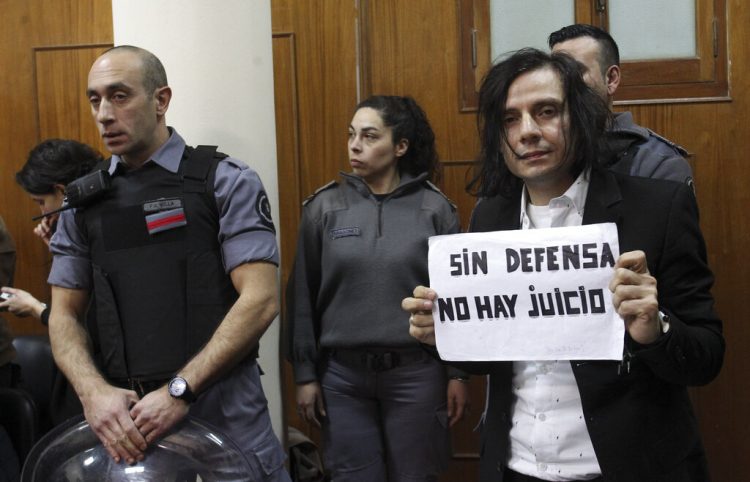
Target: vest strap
196	169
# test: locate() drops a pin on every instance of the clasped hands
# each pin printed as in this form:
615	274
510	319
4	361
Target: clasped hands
125	424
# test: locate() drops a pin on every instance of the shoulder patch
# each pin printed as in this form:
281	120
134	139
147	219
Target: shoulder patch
683	152
318	191
434	188
263	209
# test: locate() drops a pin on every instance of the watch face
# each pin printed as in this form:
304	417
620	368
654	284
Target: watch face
177	387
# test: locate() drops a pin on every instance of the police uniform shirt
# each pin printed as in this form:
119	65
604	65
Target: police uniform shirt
246	230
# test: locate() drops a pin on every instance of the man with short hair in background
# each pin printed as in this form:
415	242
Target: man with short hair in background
628	148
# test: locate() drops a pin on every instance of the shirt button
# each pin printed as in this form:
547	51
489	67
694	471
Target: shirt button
542	417
542	467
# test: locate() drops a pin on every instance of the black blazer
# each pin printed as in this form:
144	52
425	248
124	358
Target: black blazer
640	421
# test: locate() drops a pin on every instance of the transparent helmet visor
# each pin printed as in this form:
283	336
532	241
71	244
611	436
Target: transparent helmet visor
192	451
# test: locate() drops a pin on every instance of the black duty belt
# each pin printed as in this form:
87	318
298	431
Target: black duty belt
376	360
141	387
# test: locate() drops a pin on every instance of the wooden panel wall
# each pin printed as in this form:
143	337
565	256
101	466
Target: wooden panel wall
62	110
47	49
411	47
717	133
315	82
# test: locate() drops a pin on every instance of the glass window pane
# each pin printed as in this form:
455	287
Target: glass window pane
517	24
644	29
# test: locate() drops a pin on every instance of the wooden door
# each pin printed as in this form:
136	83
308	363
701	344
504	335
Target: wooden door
47	50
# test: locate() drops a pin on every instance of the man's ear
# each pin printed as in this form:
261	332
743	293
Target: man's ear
613	79
162	95
401	147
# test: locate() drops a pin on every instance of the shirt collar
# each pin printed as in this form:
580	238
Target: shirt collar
167	156
576	194
405	181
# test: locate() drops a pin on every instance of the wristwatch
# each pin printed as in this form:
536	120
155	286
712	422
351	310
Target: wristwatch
178	388
663	322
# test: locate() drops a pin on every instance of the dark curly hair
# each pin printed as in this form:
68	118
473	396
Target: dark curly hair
408	121
588	116
55	161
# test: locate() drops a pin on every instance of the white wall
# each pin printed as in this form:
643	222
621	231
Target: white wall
218	58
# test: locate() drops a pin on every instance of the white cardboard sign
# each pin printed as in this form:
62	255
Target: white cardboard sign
538	294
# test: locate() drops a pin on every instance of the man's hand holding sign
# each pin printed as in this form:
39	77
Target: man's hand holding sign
634	297
534	295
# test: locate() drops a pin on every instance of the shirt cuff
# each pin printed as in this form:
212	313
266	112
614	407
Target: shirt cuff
258	245
305	372
70	272
456	373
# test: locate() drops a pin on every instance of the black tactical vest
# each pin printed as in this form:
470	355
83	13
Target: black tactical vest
159	296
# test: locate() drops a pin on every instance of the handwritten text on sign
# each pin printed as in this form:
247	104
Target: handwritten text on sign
539	294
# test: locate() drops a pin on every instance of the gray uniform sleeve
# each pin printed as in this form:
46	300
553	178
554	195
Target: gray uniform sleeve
452	224
71	263
246	230
658	160
301	293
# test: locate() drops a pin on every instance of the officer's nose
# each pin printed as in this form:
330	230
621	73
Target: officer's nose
104	112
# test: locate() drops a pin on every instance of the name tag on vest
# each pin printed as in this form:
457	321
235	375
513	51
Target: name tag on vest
164	220
161	205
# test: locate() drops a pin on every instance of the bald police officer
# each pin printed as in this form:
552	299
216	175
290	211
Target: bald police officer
182	258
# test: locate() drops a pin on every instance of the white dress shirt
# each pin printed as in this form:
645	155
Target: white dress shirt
548	436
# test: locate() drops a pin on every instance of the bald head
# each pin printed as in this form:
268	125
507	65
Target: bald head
152	70
129	97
